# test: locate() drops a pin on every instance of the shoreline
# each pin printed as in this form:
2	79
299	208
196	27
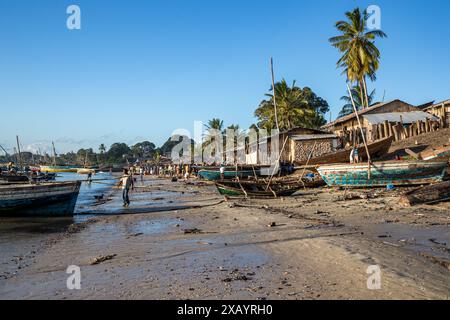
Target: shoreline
313	246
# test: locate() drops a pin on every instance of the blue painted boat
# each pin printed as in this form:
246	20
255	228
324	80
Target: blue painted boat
46	199
382	174
214	174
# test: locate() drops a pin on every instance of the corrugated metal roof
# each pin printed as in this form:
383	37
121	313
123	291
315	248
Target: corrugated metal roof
312	137
406	117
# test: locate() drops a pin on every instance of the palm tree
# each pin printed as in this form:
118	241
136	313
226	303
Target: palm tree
359	101
296	107
360	57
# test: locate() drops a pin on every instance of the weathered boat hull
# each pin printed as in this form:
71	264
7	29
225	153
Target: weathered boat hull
214	175
434	154
48	199
395	173
56	169
376	149
254	189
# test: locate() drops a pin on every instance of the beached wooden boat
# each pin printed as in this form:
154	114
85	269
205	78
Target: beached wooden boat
377	149
47	199
441	152
85	171
59	169
13	178
214	174
260	189
397	173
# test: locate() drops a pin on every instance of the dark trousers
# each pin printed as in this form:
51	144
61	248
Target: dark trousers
126	199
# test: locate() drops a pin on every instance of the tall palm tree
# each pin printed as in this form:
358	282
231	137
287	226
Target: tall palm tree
358	99
360	57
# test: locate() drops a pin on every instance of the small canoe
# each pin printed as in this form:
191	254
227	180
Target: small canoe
377	149
46	199
397	173
85	171
214	174
57	169
260	189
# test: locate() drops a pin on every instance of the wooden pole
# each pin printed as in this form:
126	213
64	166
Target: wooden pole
54	154
278	162
274	93
19	153
369	160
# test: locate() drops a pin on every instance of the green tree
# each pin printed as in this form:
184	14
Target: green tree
143	149
117	153
360	57
296	107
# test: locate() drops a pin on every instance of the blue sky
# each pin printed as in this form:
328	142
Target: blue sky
141	69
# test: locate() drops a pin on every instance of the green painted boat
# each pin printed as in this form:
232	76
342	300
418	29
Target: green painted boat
259	189
214	174
382	174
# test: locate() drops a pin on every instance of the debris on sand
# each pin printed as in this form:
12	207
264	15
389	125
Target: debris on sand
427	195
101	259
192	231
236	275
272	225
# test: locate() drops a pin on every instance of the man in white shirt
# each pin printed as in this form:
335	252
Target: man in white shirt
126	182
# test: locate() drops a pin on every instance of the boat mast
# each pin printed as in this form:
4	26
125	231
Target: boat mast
369	161
18	149
274	95
54	154
6	153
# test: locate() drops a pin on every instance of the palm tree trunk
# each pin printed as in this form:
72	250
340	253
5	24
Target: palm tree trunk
361	94
365	91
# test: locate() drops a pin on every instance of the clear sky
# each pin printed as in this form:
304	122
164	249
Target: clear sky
140	69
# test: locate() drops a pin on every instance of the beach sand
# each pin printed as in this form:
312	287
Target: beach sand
315	245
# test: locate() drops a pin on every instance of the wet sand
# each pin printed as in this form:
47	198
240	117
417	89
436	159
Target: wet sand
315	245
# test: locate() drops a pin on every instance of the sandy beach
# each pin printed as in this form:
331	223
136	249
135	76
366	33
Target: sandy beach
184	241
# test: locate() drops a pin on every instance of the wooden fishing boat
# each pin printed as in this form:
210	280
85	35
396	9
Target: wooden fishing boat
441	152
377	149
85	171
397	173
262	189
214	174
13	178
57	169
47	199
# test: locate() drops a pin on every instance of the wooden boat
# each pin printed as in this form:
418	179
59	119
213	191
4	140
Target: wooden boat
377	149
13	178
57	169
441	152
85	171
47	199
397	173
260	189
214	174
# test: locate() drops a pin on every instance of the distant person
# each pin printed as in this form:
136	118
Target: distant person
141	173
126	182
89	177
354	155
222	171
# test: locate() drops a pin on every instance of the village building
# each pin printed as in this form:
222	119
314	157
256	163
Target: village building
440	110
395	118
295	146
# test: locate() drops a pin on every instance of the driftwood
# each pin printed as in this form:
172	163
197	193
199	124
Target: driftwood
427	195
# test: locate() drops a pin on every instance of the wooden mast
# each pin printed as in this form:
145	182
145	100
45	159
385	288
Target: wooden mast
369	161
274	95
54	154
18	150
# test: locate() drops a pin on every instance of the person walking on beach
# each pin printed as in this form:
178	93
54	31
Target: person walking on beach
126	182
222	171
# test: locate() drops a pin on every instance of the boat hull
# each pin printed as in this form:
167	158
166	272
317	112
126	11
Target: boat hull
383	173
214	175
376	149
56	169
48	199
